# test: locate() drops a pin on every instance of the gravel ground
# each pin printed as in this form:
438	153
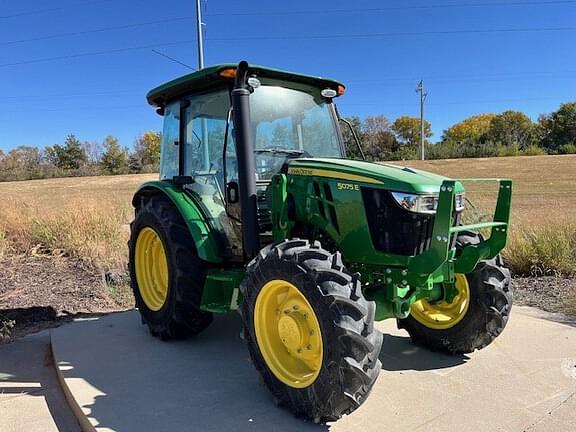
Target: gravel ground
37	292
550	293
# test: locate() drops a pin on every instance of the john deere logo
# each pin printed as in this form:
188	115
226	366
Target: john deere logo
301	171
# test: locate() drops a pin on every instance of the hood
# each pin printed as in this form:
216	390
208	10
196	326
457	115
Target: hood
384	176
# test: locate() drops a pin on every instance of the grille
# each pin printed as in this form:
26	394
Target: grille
396	230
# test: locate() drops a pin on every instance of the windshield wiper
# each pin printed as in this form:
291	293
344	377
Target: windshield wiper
290	152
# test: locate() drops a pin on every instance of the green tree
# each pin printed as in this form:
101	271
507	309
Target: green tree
70	156
473	128
512	129
407	131
147	151
558	129
114	160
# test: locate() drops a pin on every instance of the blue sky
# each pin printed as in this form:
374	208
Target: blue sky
380	49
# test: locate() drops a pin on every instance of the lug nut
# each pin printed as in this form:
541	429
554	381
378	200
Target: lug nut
295	307
286	311
311	333
309	347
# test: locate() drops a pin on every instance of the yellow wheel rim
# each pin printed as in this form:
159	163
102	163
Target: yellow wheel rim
288	334
441	315
151	269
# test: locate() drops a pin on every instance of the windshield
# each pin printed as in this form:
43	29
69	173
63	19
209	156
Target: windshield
289	123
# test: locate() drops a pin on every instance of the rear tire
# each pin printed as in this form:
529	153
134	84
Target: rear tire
486	316
178	316
349	364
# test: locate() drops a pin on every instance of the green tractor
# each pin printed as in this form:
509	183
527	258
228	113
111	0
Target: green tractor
257	210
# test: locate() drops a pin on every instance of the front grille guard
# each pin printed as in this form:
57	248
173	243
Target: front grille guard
423	265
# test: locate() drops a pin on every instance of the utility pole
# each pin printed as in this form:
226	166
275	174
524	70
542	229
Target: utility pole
203	120
199	36
423	94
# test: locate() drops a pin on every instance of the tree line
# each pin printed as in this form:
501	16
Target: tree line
510	133
76	158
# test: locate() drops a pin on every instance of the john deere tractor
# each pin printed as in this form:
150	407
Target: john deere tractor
259	211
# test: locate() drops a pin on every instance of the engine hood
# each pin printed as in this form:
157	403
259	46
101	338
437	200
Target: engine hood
384	176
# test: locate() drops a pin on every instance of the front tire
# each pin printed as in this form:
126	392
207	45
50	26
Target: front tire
471	326
310	331
166	275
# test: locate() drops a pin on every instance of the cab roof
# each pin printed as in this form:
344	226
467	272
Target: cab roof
210	77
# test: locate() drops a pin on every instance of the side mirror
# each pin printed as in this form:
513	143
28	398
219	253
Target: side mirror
232	192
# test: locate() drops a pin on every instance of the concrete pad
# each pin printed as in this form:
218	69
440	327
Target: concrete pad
31	399
123	379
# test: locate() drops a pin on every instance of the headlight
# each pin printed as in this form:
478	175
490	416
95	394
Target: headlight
424	203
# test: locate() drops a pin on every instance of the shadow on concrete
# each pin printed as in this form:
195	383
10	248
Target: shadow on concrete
139	383
27	363
400	354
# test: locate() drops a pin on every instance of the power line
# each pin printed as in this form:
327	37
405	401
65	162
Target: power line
396	8
95	53
455	81
99	30
297	37
394	34
469	77
34	98
53	9
173	59
83	108
470	101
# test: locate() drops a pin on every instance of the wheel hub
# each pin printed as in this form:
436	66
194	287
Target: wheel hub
151	269
443	315
288	334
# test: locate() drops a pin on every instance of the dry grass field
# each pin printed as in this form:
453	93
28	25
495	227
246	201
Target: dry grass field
87	217
84	217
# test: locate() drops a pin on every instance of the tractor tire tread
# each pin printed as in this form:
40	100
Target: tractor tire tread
181	317
491	303
350	367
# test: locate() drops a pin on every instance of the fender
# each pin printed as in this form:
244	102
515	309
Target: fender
204	236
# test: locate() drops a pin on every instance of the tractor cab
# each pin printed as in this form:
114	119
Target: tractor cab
291	116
